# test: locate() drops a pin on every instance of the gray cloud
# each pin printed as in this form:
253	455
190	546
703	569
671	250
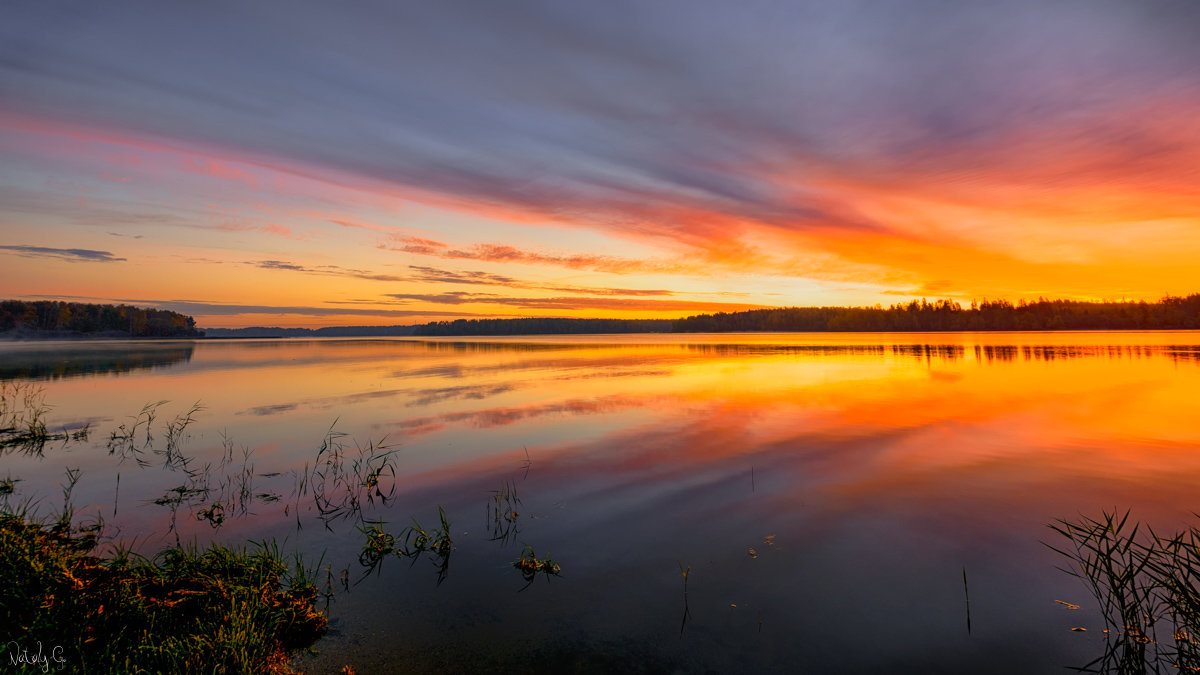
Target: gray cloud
71	254
617	112
468	277
332	270
434	275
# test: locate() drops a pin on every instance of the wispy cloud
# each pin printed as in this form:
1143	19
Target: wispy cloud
70	254
422	274
435	275
575	303
332	270
503	253
228	309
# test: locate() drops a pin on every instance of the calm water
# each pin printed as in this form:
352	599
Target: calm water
826	491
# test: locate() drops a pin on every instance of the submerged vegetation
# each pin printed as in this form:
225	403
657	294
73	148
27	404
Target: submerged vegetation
247	609
244	610
1147	587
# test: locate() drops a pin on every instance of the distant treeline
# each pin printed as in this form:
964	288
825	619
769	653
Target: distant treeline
542	326
921	315
328	331
532	326
46	318
54	319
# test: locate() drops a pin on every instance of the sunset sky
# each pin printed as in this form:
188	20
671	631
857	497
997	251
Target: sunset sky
312	164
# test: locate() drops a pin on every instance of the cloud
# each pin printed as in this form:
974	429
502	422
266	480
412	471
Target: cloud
205	308
617	116
223	309
332	270
503	253
434	275
706	130
243	225
475	277
441	276
280	265
940	288
69	254
575	303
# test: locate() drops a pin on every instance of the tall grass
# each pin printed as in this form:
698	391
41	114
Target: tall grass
23	426
1146	586
503	510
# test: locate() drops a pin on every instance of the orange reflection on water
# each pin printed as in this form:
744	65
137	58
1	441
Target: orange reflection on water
858	413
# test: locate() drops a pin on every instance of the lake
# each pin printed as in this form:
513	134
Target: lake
825	494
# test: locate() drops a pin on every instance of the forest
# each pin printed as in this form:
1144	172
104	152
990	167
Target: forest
47	318
1172	312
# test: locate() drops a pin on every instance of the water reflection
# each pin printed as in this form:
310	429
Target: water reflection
53	361
829	487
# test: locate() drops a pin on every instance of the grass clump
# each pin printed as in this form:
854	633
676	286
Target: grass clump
531	567
183	611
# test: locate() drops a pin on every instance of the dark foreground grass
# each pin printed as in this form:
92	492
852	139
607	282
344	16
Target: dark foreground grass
216	610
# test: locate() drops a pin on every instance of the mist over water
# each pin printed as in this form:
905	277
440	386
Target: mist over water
824	492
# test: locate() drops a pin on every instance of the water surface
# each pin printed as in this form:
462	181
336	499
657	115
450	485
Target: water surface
826	491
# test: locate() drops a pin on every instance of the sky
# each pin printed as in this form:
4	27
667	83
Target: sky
292	163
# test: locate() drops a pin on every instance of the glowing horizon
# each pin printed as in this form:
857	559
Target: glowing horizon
322	166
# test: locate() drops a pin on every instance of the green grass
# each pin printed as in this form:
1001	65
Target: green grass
183	611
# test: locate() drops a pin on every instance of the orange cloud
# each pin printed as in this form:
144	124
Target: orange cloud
220	169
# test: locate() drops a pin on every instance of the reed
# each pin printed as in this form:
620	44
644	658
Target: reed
503	511
1146	586
23	428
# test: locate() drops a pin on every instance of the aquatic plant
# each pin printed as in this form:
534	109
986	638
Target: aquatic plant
503	512
687	612
23	427
1142	581
531	566
344	484
123	441
379	544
